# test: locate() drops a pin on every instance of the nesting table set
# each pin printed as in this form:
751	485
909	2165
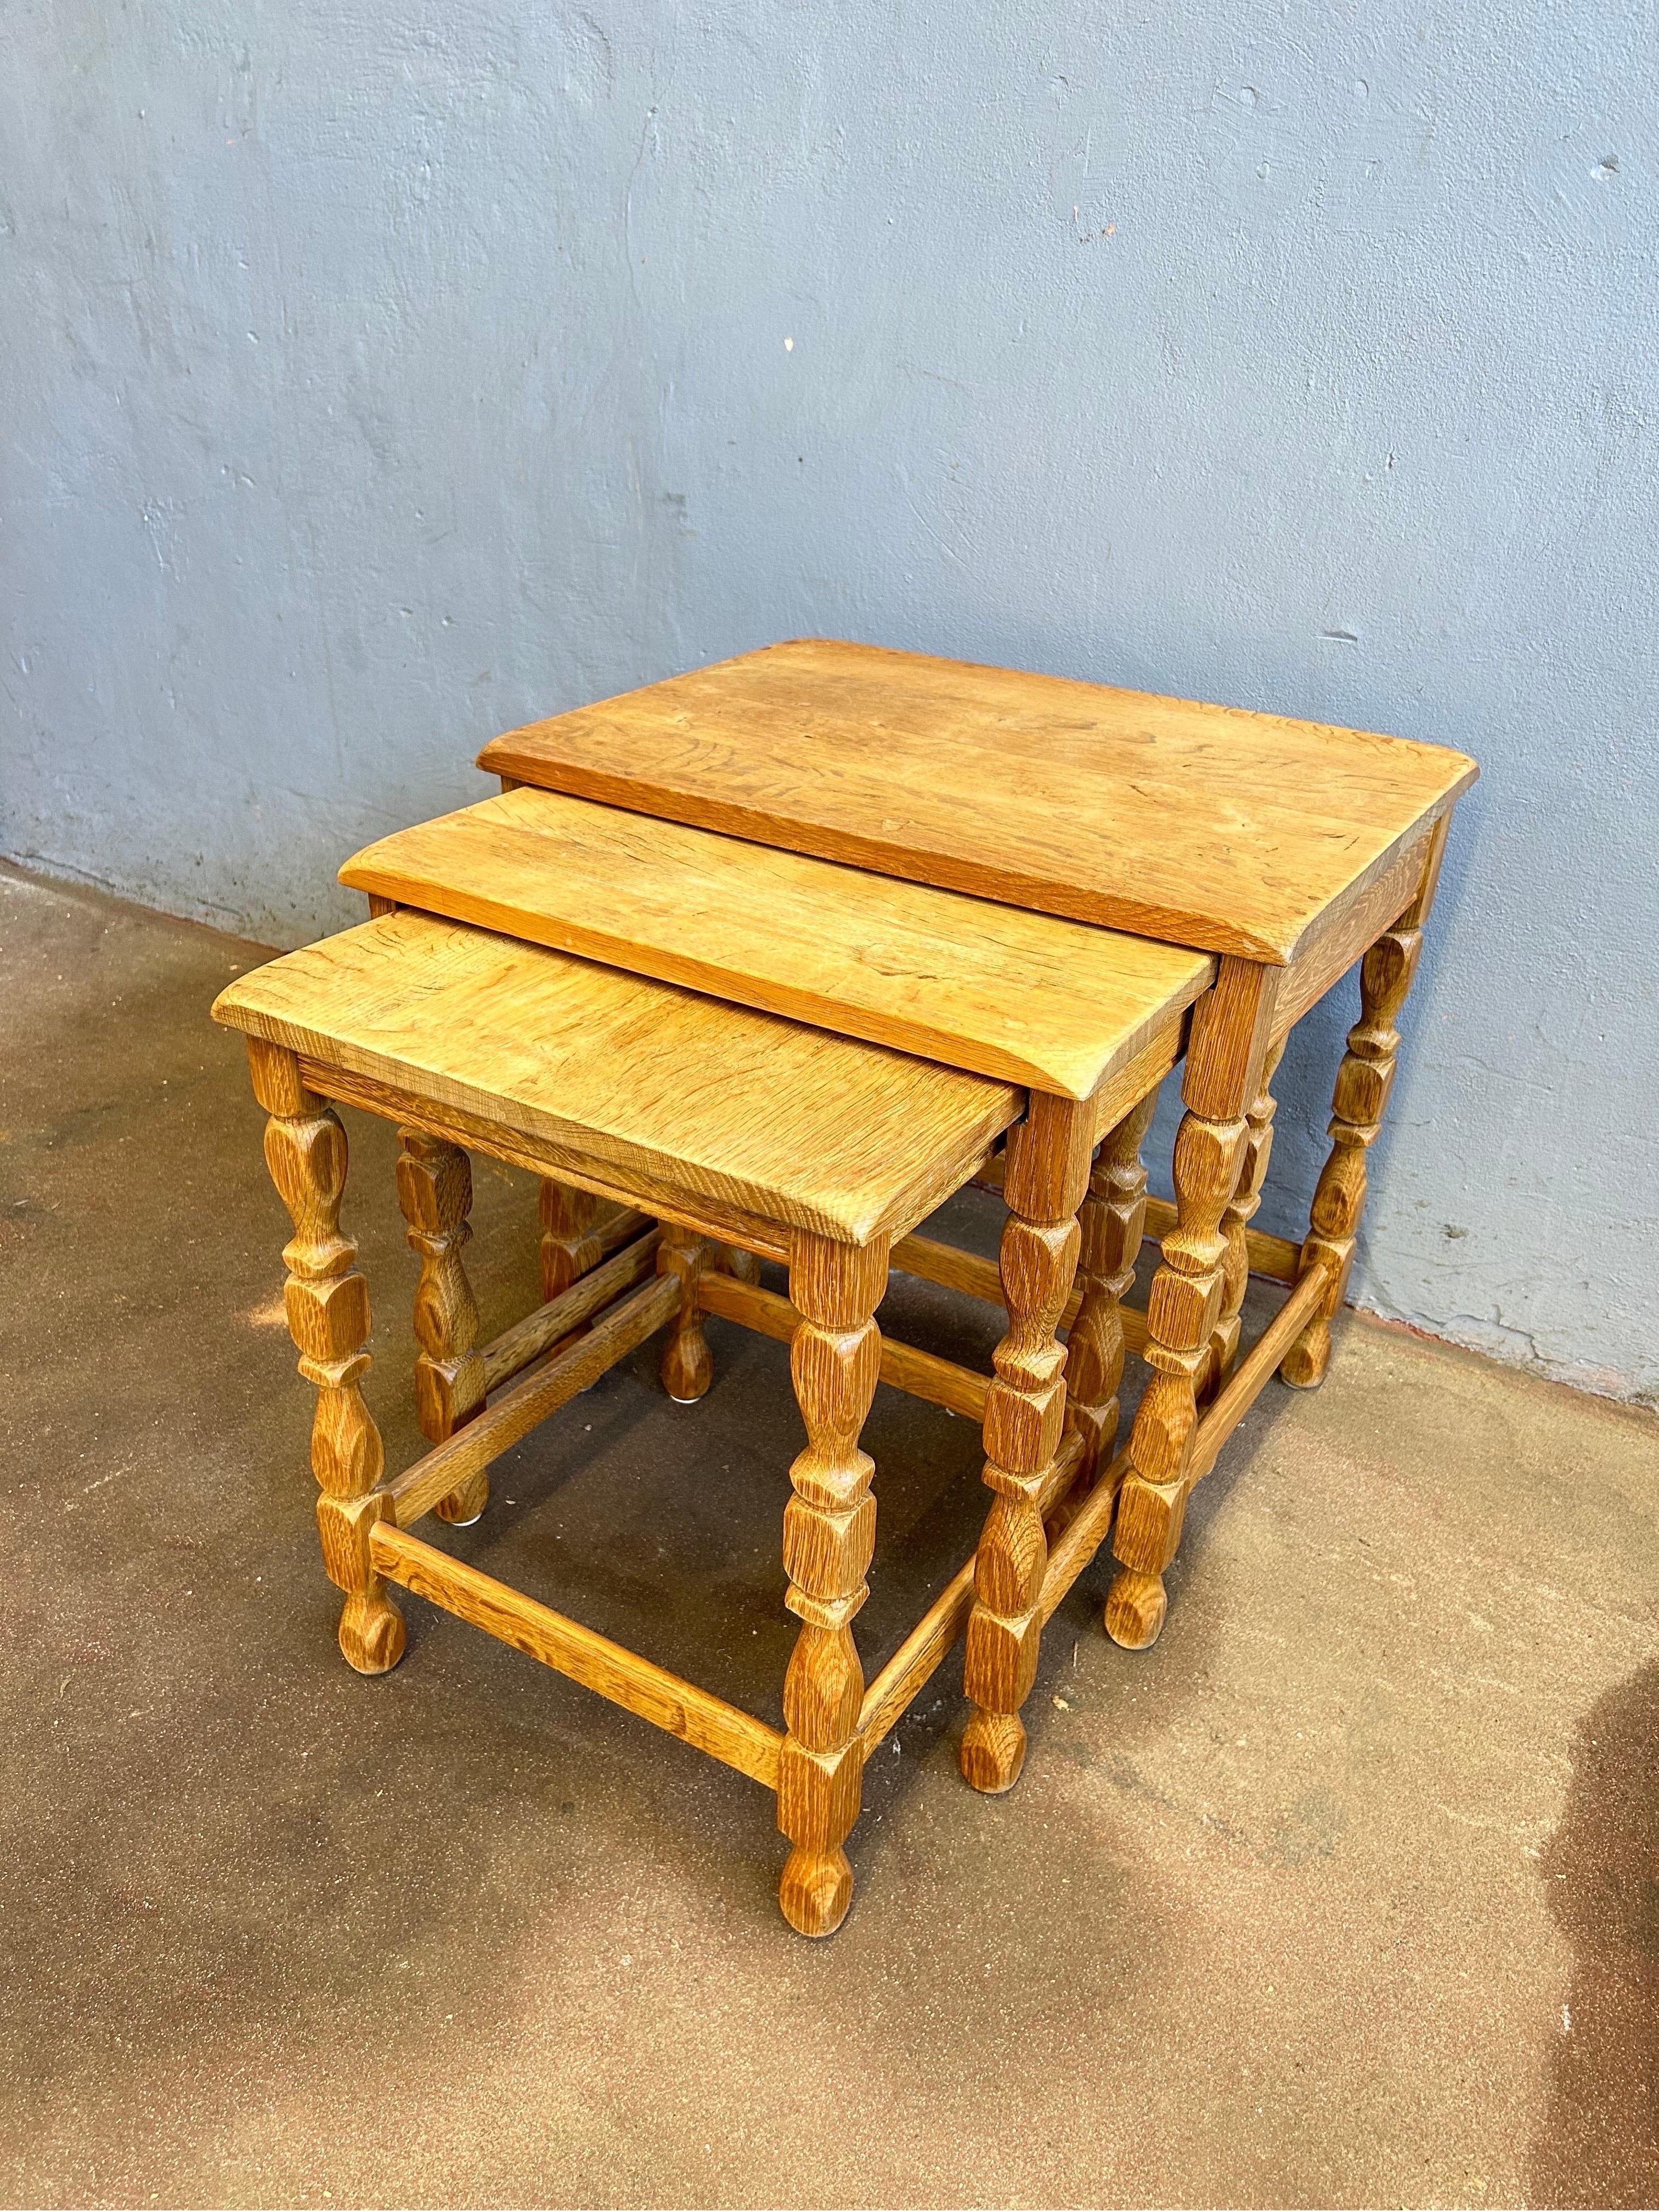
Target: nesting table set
767	961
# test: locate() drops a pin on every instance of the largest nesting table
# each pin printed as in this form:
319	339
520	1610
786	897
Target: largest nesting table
1290	850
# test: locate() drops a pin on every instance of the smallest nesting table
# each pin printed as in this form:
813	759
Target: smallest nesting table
717	1126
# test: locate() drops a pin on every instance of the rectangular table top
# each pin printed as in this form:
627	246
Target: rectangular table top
1198	825
671	1089
995	989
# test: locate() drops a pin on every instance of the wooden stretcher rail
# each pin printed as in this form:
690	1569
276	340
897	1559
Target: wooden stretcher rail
956	1270
512	1352
924	1650
1243	1386
1273	1257
941	1382
499	1427
1086	1532
696	1716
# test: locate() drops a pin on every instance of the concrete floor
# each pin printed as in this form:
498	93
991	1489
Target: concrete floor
1348	1892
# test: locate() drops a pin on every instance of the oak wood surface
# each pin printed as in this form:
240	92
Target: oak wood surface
512	1351
697	1716
529	1401
921	1374
818	1132
991	989
1196	824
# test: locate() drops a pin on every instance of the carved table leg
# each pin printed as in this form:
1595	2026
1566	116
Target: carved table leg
687	1367
1047	1179
1236	1222
435	1190
570	1248
1112	1221
1363	1083
828	1536
1226	1051
327	1302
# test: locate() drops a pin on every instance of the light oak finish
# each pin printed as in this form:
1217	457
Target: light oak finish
1232	1036
1048	1165
804	1129
619	1330
571	1243
925	1650
387	1024
326	1301
920	1374
515	1348
1091	1519
990	988
1194	824
1236	1220
435	1190
624	1188
687	1368
1275	1258
1112	1221
828	1536
696	1716
1364	1082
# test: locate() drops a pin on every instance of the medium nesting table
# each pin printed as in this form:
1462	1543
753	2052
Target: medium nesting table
711	1125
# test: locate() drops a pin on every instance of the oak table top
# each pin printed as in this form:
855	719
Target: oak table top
993	990
817	1131
1204	826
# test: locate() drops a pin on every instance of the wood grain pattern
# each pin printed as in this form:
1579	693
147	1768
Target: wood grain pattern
435	1190
519	1409
1236	1224
814	1130
1111	1220
1363	1083
623	1187
991	989
687	1367
1334	950
326	1301
1049	1163
1230	1046
1195	825
696	1716
828	1536
570	1240
513	1350
921	1374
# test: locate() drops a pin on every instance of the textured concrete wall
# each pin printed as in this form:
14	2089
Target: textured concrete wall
375	378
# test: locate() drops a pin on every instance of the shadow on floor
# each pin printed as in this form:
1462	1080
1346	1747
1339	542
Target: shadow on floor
1599	2143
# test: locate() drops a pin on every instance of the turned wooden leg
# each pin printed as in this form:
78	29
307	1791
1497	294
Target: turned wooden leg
1363	1083
687	1367
1112	1221
435	1190
570	1245
1236	1222
1047	1179
1226	1052
829	1535
327	1302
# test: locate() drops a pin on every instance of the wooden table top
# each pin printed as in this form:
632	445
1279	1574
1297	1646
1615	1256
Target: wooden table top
993	990
671	1090
1198	825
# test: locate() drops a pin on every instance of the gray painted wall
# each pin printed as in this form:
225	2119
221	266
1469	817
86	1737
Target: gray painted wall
375	378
